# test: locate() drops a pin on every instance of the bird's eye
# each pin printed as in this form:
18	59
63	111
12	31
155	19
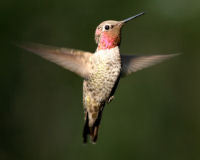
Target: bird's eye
107	27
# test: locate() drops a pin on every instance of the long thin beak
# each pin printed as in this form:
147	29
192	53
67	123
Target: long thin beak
130	18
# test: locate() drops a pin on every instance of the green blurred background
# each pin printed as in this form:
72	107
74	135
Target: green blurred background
156	112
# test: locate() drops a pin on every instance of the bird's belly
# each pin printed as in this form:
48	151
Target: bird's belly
101	82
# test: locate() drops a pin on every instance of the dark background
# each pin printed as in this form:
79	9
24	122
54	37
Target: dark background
156	112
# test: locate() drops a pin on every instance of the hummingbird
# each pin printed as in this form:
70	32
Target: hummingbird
101	70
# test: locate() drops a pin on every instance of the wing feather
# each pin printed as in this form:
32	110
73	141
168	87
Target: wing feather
74	60
133	63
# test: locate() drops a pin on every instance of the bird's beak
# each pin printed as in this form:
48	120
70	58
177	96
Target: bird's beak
130	18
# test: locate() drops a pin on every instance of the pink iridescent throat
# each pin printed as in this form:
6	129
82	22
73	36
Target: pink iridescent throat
108	41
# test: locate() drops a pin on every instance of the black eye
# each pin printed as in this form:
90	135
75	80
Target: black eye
107	27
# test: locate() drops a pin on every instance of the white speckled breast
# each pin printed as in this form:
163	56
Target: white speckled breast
106	66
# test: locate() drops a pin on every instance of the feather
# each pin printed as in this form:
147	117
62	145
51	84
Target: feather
133	63
74	60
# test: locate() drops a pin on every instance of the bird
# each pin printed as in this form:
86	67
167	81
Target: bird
101	71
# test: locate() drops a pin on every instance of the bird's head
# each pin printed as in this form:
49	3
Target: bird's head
108	33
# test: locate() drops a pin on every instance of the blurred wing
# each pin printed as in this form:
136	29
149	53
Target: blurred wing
74	60
132	63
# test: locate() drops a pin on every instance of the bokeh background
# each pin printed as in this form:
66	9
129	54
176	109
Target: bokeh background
156	112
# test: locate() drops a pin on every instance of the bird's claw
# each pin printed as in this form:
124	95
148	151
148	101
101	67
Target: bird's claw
110	99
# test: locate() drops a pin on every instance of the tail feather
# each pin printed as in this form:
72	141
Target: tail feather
86	129
92	131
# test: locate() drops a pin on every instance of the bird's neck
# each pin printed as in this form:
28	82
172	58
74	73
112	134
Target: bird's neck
108	41
105	55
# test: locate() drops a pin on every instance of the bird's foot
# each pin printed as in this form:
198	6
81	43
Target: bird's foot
110	99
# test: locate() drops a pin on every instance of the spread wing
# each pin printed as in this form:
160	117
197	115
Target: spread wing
133	63
74	60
